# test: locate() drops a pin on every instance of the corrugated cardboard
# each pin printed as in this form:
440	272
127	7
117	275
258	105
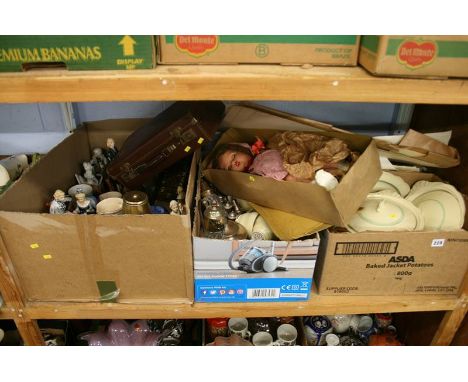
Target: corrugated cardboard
64	257
392	263
18	53
216	282
212	49
415	56
309	200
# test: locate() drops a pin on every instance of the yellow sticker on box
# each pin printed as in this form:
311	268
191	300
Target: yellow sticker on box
251	178
47	257
34	245
187	149
200	141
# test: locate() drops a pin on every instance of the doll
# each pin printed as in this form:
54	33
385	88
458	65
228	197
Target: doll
256	160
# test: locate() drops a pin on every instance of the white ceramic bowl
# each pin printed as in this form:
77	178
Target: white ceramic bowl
110	194
109	206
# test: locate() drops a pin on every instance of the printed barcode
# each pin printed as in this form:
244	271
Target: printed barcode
367	248
263	293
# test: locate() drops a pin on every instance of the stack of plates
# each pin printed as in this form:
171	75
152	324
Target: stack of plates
429	206
442	206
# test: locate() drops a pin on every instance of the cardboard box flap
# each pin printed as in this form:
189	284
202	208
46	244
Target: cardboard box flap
54	171
420	149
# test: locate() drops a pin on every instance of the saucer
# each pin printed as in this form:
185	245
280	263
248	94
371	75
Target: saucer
386	211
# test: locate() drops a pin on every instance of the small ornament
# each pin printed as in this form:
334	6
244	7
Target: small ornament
60	203
111	151
99	161
84	205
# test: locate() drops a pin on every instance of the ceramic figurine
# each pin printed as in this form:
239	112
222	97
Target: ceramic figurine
60	203
99	161
84	205
174	206
89	175
111	151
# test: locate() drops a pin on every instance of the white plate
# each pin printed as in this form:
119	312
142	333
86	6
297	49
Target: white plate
388	181
441	204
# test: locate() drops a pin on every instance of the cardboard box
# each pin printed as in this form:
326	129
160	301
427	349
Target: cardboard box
392	263
148	258
19	53
415	56
315	50
215	281
310	200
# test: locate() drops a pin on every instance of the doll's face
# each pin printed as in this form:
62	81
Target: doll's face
234	161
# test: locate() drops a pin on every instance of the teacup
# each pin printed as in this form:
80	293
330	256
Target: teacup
287	335
261	230
262	339
239	326
247	220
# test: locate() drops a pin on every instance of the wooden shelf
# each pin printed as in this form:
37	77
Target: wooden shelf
227	82
317	305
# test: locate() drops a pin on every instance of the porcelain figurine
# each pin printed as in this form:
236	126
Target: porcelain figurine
89	176
60	203
174	206
111	151
99	161
84	205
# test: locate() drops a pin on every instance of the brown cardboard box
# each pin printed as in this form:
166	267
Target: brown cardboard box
392	263
415	56
304	199
229	49
79	257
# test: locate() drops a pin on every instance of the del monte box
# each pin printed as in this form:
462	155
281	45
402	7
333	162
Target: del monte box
247	49
422	56
18	53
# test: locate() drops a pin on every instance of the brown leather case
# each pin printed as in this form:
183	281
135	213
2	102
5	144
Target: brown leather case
175	133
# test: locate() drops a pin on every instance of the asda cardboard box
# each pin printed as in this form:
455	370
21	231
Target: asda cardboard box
336	207
218	281
392	263
415	56
139	258
245	49
19	53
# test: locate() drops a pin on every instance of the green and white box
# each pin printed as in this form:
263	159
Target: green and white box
19	53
